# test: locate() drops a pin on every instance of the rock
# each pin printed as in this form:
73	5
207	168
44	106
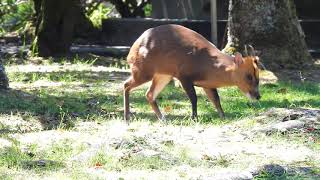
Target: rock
291	114
299	170
85	156
167	142
4	143
292	117
254	170
148	153
245	175
304	171
274	169
287	125
41	163
284	119
121	143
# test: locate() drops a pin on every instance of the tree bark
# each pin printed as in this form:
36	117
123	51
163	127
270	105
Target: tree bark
272	27
56	22
4	82
130	8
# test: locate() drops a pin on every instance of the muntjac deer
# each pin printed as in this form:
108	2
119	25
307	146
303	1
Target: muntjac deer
173	51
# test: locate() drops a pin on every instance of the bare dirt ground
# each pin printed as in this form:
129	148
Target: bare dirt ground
239	150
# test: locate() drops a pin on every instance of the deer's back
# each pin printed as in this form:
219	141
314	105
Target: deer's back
171	49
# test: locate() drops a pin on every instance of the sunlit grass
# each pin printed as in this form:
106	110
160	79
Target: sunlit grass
16	160
174	102
98	91
105	161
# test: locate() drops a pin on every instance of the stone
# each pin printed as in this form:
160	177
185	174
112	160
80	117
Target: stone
287	125
148	153
274	169
245	175
4	143
285	119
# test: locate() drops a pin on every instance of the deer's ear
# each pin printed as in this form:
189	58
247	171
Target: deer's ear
238	59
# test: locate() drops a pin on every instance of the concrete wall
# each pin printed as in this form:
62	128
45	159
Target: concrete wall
125	31
187	9
200	9
181	9
308	9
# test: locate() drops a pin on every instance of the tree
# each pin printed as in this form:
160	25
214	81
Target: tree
130	8
55	25
4	82
272	27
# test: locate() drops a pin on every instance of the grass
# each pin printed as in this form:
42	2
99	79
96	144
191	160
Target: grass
13	157
52	157
206	161
85	94
265	175
35	162
270	176
61	95
181	156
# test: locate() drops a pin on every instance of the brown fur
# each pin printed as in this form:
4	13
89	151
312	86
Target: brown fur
168	51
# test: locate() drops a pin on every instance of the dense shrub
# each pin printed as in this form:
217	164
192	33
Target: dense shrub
14	14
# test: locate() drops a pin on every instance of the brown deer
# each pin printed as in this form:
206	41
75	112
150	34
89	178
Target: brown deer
173	51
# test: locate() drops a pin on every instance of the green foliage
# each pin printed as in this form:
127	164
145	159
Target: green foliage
14	15
148	10
99	14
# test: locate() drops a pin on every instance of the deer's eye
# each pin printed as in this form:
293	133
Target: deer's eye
249	77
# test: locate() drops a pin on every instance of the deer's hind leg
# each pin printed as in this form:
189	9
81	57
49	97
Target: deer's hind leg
129	84
159	81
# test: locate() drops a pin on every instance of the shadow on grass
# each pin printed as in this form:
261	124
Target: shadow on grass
57	111
70	76
53	106
54	110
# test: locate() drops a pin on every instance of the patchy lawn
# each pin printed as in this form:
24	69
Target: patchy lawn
64	121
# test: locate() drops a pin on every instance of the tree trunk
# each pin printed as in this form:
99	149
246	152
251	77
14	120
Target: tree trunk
56	24
130	8
4	82
272	27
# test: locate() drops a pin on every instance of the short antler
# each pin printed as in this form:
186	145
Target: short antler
245	50
252	51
